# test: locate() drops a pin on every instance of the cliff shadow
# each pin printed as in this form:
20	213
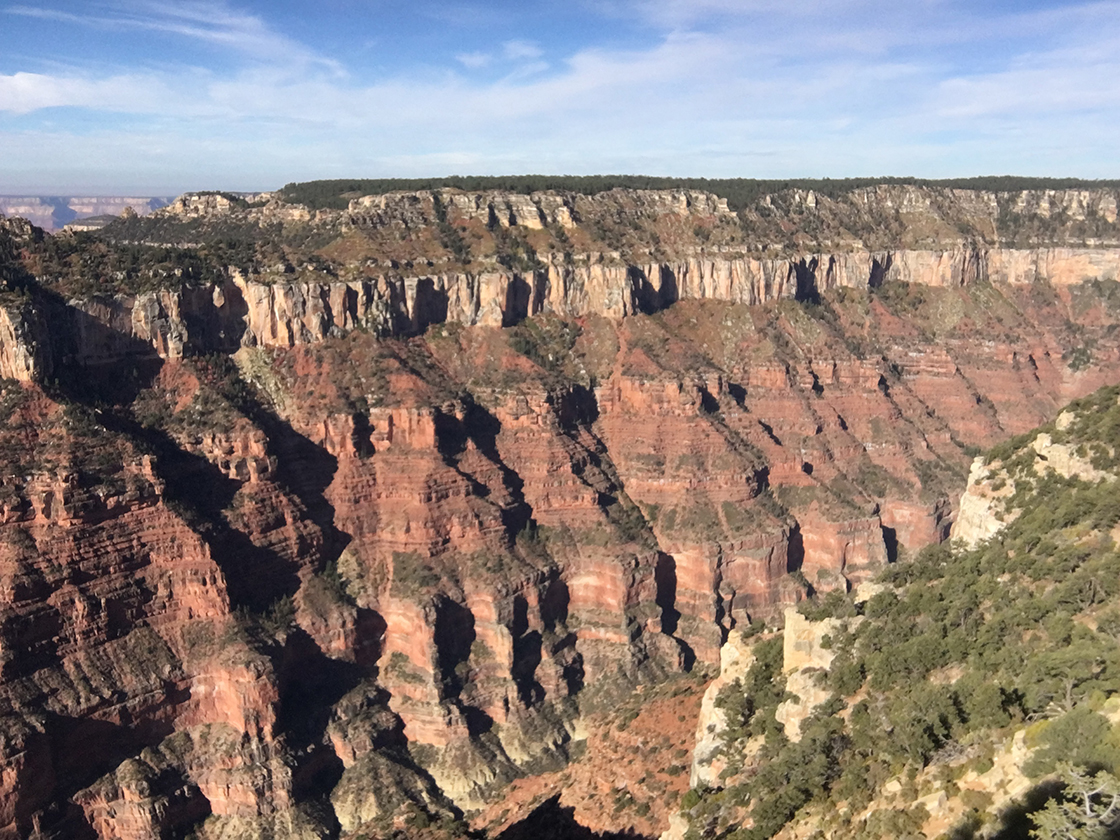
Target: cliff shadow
769	430
738	393
554	604
668	290
890	543
645	295
708	402
574	407
482	428
33	636
1014	822
795	551
430	305
795	556
369	633
527	654
306	469
880	268
310	684
82	751
806	275
401	321
665	577
216	326
94	363
200	493
651	298
541	287
81	358
454	637
519	295
552	821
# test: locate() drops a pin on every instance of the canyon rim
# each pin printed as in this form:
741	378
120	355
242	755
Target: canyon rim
450	513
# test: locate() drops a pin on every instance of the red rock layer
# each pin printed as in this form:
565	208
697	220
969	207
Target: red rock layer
235	600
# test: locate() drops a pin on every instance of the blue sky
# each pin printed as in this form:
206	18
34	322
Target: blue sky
154	97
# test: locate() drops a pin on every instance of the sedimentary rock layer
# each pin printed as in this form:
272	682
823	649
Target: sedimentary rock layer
322	556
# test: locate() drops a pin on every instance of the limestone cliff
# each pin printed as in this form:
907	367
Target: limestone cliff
399	262
964	693
256	310
989	501
362	522
735	660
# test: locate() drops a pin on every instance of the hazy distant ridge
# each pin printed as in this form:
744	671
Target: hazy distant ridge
53	212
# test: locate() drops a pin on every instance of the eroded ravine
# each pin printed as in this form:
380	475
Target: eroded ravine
336	582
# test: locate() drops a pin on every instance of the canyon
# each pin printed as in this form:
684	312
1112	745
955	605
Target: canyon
327	522
55	212
901	710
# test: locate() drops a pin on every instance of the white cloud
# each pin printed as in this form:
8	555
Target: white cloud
729	100
474	60
211	21
519	50
23	93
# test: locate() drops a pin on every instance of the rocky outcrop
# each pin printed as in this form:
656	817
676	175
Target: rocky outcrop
356	546
982	514
25	355
257	311
613	272
1065	460
808	648
735	660
985	505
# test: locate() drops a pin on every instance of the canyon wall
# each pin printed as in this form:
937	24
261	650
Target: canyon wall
312	552
256	312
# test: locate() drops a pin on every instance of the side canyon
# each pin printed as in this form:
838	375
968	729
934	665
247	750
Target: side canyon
324	523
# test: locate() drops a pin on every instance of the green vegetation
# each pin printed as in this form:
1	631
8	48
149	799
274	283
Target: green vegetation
739	192
1087	809
83	265
514	251
545	339
448	236
412	576
960	649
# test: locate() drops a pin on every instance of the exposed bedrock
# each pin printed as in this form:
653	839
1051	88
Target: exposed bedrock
247	310
342	581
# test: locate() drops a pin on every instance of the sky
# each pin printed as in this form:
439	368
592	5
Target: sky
151	97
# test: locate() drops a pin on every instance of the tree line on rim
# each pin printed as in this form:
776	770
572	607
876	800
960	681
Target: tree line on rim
739	192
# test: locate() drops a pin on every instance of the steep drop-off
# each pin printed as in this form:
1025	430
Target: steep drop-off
973	692
299	540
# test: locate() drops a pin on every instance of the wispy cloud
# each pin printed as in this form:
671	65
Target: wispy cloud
23	93
474	60
519	50
873	91
210	21
525	55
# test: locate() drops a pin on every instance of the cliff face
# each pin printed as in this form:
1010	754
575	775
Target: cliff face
398	263
319	545
990	502
254	311
953	695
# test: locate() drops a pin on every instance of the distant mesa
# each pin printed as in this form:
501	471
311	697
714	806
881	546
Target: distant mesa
56	212
97	222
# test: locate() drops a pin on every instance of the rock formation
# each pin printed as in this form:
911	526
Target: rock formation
351	529
957	694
